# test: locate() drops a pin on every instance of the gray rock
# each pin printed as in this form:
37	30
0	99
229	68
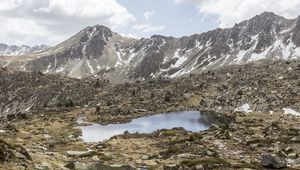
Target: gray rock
19	155
145	157
171	167
199	167
96	166
141	110
80	154
186	156
292	155
273	161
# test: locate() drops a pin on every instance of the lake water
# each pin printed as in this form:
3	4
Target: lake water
190	120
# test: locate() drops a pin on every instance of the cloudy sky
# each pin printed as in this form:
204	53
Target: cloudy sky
49	22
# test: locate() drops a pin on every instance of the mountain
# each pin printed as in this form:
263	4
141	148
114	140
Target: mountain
98	51
13	50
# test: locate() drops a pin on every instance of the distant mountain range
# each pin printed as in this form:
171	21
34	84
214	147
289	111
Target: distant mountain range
98	51
13	50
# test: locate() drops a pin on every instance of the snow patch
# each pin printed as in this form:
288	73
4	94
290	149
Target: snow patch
132	55
180	61
288	111
244	108
48	68
90	66
60	70
162	44
28	109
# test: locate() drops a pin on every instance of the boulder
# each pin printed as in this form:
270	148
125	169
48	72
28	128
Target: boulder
79	154
96	166
145	157
273	161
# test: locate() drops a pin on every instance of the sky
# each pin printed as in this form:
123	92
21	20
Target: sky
34	22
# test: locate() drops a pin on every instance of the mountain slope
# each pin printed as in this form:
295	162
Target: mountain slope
97	51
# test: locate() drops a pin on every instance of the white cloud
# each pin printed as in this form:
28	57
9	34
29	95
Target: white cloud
52	21
148	14
229	12
148	28
135	36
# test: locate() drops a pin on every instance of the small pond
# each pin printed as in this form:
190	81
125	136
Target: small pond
190	120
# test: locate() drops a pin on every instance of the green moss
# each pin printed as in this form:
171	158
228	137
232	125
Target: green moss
173	150
204	161
262	141
168	133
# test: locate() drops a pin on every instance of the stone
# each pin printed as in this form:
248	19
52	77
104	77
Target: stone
296	161
21	168
76	166
43	166
141	110
20	156
95	158
209	153
186	156
292	155
24	164
171	167
273	161
96	166
79	154
199	167
288	150
145	157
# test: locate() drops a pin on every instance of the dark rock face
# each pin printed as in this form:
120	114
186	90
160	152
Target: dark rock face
12	152
273	161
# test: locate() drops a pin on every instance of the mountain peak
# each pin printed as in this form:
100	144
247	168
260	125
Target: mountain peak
268	16
96	31
99	29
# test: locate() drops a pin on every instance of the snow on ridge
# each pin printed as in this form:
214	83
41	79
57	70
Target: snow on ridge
90	66
61	69
181	59
132	55
15	52
278	48
48	68
120	61
164	42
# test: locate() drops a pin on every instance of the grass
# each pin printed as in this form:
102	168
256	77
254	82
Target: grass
168	133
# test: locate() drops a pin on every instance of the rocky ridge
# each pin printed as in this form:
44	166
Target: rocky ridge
13	50
98	51
264	86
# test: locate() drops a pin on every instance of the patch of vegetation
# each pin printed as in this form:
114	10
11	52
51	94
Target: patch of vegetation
264	141
168	133
172	150
204	161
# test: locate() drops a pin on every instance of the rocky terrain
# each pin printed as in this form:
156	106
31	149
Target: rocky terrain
98	51
256	106
13	50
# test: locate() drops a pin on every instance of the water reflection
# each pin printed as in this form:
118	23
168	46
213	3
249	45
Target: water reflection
190	120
